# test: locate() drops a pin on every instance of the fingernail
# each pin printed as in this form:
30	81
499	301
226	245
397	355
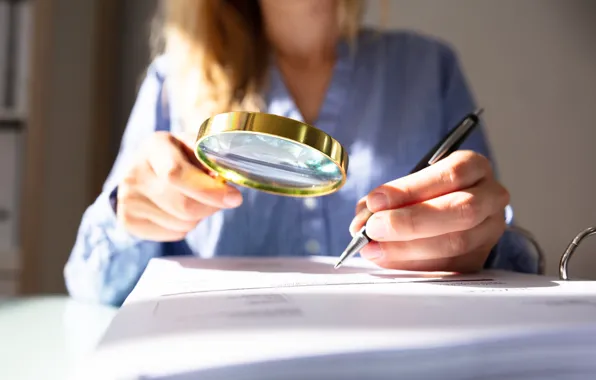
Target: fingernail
376	227
377	201
232	199
372	251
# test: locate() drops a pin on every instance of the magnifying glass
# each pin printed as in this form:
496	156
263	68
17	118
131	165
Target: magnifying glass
272	153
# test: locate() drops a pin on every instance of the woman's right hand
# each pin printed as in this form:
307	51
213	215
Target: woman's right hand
165	194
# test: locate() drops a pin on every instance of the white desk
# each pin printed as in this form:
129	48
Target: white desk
44	337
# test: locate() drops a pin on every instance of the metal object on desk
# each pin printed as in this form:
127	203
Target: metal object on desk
571	248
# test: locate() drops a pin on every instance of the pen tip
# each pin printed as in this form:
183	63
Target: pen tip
479	112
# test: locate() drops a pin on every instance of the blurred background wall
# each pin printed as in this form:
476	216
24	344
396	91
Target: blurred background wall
530	63
58	158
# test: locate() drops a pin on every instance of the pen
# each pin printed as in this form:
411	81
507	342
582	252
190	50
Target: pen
450	143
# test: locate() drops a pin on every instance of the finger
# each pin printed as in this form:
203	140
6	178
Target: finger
450	252
460	170
141	207
149	188
360	205
458	211
186	142
184	207
170	163
362	215
186	138
147	230
173	202
205	189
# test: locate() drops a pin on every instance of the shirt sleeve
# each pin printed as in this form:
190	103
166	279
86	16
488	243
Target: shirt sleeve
514	250
106	262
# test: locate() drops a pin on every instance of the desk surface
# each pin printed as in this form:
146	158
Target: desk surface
44	337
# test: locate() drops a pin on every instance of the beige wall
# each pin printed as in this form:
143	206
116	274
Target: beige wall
59	140
532	66
81	96
76	109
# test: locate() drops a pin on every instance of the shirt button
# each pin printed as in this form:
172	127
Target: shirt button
313	247
310	203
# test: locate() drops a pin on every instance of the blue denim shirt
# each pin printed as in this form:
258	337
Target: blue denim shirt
390	100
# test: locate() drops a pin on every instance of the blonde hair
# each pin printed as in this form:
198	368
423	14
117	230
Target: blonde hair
218	54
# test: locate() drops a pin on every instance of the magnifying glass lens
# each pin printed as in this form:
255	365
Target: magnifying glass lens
269	160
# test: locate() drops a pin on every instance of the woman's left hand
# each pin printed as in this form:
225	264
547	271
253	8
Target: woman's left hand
446	217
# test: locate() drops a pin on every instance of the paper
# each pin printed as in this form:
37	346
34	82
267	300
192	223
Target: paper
165	277
193	315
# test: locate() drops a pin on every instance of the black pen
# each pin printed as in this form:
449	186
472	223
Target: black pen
450	143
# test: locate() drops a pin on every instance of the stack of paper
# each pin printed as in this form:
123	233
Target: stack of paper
298	318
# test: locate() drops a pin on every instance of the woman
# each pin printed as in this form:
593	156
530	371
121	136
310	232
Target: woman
387	97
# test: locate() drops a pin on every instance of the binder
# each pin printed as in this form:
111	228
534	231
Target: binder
296	318
571	248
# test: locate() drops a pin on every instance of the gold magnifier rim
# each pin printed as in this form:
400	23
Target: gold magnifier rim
281	127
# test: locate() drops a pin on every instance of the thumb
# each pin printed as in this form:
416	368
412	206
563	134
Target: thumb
186	143
187	138
362	215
